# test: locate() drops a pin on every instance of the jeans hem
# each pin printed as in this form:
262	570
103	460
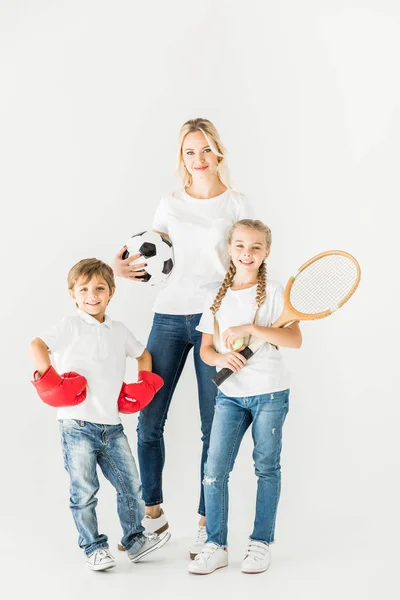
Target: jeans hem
262	541
156	503
223	546
136	545
98	547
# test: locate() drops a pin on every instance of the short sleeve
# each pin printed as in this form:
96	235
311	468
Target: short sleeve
277	303
244	209
206	324
160	221
59	336
134	348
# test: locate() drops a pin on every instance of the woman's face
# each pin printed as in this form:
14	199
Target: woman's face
197	156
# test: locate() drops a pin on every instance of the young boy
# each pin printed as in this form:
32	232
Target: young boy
90	350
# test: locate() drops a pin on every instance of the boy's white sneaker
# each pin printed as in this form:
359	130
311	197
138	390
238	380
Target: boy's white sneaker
153	542
210	558
100	560
257	557
197	546
152	525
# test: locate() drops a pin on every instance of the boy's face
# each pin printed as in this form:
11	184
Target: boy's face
92	296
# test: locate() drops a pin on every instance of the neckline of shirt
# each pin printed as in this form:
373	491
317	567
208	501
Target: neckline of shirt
92	321
213	198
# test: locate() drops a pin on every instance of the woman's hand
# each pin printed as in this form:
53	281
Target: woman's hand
233	333
122	268
232	360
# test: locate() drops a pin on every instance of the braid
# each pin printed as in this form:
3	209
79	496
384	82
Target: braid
227	283
261	293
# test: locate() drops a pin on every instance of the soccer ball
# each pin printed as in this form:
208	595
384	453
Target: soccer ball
156	252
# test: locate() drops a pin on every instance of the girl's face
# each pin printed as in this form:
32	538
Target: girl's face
197	156
248	249
92	296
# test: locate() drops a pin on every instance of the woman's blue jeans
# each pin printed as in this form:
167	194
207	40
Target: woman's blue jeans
233	416
171	338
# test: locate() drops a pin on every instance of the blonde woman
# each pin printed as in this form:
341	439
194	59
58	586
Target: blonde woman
256	395
197	219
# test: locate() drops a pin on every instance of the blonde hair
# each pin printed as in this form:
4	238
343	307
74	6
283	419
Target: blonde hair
214	141
89	267
261	293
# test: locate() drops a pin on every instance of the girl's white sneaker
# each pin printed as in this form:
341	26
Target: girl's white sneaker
210	558
257	557
199	543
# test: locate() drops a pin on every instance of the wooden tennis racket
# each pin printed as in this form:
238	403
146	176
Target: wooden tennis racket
320	287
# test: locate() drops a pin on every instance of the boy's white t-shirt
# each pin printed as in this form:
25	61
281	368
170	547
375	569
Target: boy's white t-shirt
265	372
98	351
198	230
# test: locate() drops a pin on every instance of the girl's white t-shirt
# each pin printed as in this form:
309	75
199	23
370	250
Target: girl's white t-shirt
265	372
198	230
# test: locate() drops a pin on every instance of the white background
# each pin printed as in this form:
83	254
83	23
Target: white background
306	98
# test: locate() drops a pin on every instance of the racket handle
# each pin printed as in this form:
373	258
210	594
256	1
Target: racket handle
223	374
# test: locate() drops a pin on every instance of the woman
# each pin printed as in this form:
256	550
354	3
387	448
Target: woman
197	220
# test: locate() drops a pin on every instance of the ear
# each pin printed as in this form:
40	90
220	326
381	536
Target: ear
267	254
112	294
71	293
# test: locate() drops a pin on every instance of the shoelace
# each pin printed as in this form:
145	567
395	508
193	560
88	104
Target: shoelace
207	551
100	554
256	550
201	536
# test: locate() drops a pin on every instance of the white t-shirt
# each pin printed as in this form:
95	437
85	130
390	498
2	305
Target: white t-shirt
198	230
265	372
97	351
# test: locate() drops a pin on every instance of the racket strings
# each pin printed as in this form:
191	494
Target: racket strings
323	284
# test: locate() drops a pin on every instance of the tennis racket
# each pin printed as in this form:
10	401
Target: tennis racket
320	287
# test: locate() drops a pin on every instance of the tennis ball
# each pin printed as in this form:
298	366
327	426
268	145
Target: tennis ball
238	343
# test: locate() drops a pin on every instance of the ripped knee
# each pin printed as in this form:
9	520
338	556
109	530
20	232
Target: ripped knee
209	480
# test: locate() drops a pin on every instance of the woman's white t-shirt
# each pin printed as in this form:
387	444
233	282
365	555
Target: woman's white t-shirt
265	372
198	230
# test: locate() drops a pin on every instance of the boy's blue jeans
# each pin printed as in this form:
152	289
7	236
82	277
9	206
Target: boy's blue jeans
171	338
266	414
86	445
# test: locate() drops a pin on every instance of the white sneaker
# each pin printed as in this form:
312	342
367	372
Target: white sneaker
100	560
155	525
199	543
153	542
210	558
152	525
257	557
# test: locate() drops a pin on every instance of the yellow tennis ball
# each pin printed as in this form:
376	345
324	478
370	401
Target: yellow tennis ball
238	343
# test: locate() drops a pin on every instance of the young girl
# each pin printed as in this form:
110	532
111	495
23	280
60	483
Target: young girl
197	219
256	394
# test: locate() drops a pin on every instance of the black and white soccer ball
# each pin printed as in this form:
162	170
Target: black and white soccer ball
157	253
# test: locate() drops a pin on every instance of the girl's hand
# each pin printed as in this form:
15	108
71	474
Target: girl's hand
233	333
122	268
231	360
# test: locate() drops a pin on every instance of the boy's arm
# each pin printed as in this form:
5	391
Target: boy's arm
135	396
54	389
40	355
144	361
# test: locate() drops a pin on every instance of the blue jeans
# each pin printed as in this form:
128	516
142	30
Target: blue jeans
86	445
266	414
171	338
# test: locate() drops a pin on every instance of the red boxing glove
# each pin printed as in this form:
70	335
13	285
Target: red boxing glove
57	390
135	396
